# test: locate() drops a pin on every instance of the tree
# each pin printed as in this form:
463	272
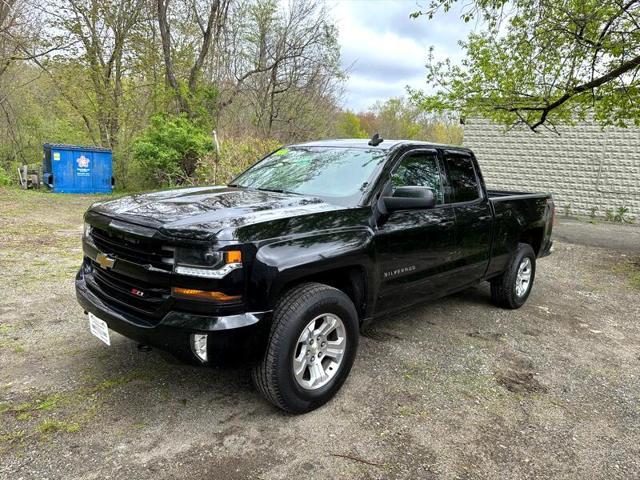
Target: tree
281	63
20	38
21	41
210	24
101	30
542	62
398	118
110	72
348	126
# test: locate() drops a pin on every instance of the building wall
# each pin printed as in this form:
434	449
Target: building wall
584	167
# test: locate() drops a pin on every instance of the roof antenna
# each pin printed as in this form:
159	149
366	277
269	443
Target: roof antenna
376	140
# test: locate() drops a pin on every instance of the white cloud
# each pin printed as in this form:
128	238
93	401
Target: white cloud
384	50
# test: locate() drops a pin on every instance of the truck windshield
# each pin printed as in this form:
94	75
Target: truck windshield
341	174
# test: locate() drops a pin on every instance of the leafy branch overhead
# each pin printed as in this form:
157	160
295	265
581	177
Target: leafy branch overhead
540	63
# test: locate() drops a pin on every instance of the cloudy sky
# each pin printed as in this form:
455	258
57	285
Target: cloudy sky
384	50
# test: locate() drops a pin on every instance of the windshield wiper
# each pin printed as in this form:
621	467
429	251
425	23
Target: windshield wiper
277	190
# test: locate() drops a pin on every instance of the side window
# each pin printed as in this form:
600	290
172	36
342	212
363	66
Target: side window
419	170
463	182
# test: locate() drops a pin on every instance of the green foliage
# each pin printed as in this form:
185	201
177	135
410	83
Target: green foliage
54	425
348	126
400	119
5	178
267	70
168	151
201	102
620	215
37	116
542	62
631	269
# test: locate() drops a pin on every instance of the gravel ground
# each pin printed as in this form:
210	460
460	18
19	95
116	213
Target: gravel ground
452	389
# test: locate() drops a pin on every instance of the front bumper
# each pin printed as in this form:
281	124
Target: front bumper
231	339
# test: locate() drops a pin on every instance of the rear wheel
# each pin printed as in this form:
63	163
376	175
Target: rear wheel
512	288
312	345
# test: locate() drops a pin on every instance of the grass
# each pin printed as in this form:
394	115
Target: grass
11	436
58	413
50	425
8	343
40	236
630	269
41	251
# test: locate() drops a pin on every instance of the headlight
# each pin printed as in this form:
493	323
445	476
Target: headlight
87	230
207	263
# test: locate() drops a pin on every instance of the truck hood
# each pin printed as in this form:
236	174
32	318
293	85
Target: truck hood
202	212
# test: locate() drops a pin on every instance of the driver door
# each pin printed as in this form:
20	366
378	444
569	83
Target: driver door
415	248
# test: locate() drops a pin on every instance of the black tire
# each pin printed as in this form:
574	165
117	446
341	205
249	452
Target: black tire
503	288
273	376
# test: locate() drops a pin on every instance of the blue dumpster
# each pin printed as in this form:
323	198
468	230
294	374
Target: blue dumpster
74	169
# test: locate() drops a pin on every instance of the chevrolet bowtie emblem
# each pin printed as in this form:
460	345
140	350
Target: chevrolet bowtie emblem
105	261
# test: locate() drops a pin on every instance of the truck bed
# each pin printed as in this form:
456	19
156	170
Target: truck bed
515	213
497	195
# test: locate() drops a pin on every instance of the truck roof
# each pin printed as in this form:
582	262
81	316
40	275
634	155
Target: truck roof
364	143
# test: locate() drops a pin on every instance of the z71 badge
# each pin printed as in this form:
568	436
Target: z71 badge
399	271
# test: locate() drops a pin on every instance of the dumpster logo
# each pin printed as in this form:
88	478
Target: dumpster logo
83	166
83	162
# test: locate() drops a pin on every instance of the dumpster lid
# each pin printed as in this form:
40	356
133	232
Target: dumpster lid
64	146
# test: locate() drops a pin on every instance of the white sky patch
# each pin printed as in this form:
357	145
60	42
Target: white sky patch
384	50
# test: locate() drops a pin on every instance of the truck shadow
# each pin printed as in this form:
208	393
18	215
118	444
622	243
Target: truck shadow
138	379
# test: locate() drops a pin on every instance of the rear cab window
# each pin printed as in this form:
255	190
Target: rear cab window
463	184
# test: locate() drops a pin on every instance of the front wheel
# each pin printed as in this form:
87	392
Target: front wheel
312	346
512	288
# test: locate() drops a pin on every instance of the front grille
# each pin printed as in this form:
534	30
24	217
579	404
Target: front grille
143	251
131	295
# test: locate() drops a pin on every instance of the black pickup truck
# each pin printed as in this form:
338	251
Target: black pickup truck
284	266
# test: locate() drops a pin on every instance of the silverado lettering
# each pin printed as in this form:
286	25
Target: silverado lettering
398	271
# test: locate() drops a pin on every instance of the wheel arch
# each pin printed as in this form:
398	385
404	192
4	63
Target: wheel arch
351	280
533	236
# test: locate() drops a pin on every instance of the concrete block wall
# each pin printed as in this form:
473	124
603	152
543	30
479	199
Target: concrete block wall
585	166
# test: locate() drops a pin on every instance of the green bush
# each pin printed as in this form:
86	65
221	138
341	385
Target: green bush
5	178
348	125
168	151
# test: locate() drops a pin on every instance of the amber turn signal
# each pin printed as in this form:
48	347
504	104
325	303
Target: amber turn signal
193	294
234	256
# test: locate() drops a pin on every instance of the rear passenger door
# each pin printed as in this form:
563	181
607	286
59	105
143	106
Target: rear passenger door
474	220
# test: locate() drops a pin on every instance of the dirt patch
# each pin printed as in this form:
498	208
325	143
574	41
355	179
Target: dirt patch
520	382
454	389
380	335
488	336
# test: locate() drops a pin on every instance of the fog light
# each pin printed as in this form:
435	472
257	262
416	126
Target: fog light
199	346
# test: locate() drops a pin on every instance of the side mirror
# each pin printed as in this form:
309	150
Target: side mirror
405	198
